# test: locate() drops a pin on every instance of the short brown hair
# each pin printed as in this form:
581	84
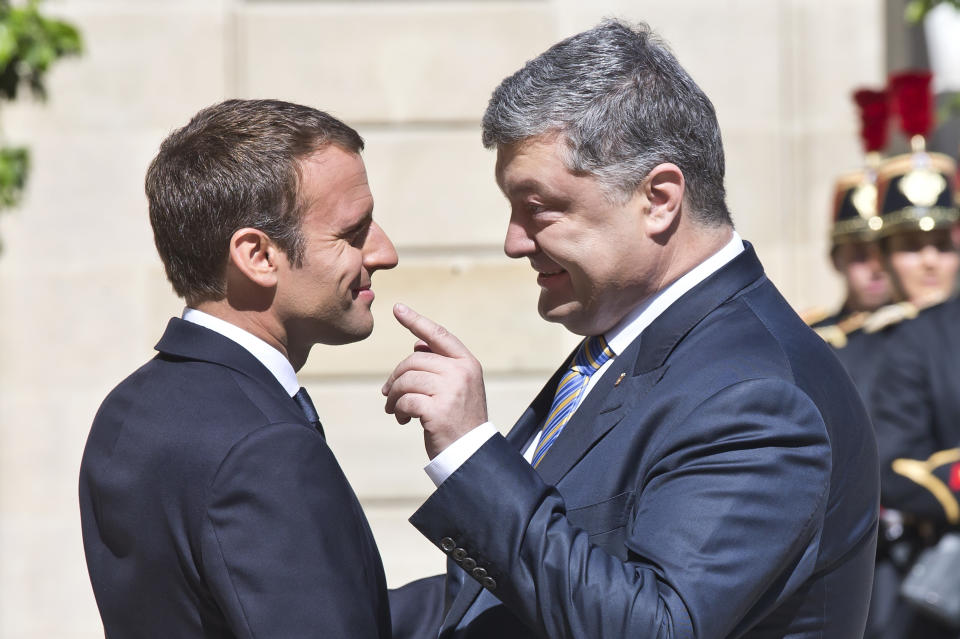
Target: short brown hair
236	164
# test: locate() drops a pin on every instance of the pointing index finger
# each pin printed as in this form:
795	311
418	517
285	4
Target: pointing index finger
436	337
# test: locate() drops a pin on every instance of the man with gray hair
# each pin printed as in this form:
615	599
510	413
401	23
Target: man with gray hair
700	466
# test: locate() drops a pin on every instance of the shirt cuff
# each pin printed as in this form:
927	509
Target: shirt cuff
453	456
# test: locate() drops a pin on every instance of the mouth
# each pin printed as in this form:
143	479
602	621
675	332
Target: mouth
363	292
548	277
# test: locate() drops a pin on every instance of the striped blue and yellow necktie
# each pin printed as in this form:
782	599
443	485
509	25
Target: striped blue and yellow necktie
591	355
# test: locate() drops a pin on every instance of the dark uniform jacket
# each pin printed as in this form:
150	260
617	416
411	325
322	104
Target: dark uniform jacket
916	412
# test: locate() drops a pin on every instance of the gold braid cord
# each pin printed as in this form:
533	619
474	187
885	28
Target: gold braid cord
921	473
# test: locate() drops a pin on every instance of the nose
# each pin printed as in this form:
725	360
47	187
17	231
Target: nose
929	256
518	242
875	264
378	250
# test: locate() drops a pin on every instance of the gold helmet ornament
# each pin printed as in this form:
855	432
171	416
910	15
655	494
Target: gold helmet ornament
855	214
916	190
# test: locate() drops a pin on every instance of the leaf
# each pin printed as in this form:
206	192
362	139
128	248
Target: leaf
8	44
915	10
14	168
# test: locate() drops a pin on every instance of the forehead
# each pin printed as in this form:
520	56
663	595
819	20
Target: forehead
915	240
532	165
334	186
858	249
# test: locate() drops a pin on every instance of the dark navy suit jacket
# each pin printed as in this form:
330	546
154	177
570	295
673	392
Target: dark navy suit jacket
725	486
211	508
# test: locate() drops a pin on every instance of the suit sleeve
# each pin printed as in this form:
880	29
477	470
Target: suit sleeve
730	512
901	409
286	550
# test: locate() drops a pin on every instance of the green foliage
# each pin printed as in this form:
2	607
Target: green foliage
14	166
917	9
29	44
950	108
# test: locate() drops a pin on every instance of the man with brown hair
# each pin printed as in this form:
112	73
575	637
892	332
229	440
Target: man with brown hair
210	502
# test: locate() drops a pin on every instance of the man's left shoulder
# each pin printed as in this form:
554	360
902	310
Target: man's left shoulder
757	335
758	328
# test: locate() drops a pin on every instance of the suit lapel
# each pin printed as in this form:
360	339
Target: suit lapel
602	409
663	335
532	418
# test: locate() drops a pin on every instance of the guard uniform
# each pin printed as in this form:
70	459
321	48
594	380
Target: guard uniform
915	395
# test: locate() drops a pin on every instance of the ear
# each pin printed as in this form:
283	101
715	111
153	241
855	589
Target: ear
254	255
663	188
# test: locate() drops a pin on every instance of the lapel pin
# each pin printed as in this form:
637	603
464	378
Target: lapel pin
619	379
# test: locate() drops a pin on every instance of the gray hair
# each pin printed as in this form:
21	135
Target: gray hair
623	104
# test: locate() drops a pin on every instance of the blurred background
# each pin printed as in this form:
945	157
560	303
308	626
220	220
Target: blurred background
83	297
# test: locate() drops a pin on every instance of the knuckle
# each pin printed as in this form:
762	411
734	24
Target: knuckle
407	406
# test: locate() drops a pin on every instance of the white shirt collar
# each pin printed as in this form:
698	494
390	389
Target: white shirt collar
275	361
630	327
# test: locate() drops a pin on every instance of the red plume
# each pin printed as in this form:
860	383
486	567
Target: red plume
874	113
913	101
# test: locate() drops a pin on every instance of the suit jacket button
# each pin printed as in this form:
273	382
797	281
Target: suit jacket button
458	554
489	583
447	544
468	564
479	573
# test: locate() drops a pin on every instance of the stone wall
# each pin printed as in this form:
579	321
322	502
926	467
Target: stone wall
83	297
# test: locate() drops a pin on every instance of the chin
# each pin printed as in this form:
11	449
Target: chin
347	334
573	321
358	335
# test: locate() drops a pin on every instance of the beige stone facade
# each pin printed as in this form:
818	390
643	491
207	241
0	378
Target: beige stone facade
82	294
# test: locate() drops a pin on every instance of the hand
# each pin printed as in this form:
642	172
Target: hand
441	384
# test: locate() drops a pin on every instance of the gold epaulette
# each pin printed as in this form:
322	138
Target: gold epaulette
921	472
813	315
832	335
888	315
836	334
852	322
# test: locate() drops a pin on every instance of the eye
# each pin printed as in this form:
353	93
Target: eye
944	244
358	236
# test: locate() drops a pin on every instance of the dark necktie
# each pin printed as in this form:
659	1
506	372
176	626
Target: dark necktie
306	405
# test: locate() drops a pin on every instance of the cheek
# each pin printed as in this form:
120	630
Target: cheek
902	263
341	264
859	272
950	262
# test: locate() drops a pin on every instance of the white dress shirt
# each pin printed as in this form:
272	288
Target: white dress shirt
618	338
275	361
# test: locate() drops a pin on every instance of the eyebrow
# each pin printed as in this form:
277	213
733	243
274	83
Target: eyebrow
366	220
527	186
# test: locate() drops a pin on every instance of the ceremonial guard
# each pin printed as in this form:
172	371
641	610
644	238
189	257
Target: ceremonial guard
916	195
915	400
855	251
